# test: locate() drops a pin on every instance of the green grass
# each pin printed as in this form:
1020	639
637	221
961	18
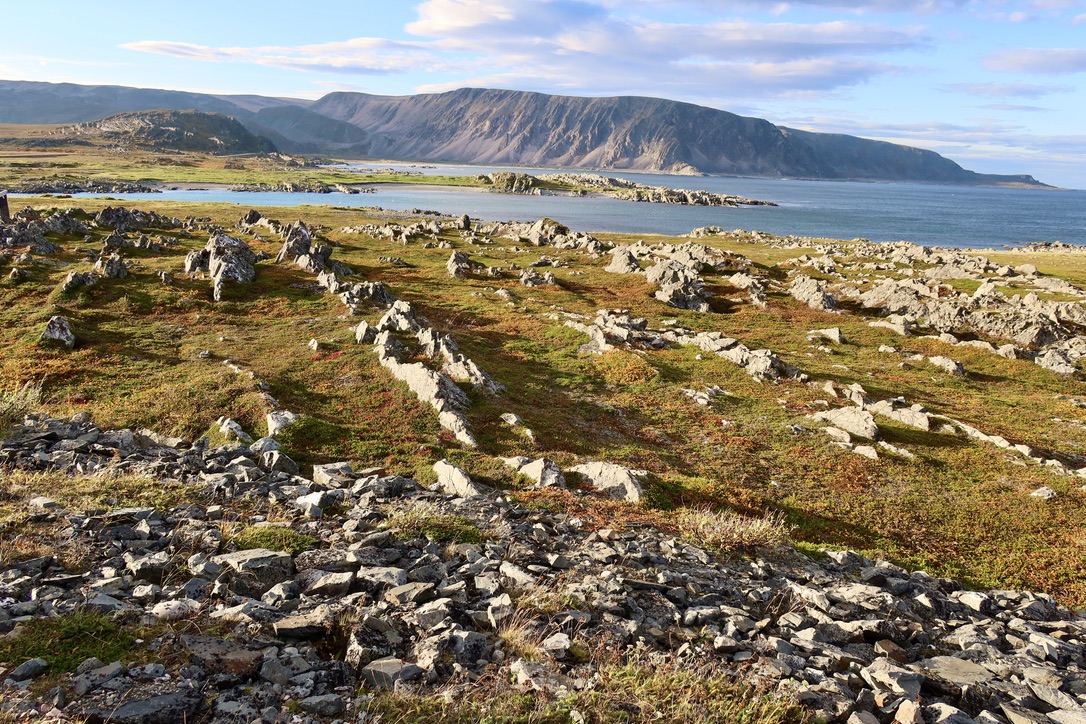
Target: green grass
960	508
422	520
273	538
65	641
623	694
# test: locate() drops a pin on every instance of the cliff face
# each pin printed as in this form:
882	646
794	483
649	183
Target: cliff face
633	133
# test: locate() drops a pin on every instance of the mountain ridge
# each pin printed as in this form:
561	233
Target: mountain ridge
494	126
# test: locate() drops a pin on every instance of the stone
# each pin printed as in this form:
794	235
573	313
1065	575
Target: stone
940	713
833	334
323	705
278	420
334	475
220	655
539	677
886	676
142	706
454	481
433	614
30	669
616	481
852	420
1021	715
544	473
947	365
58	329
255	571
379	577
1043	493
957	671
175	610
812	292
384	673
623	262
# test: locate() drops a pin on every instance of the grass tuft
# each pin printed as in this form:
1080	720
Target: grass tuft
66	641
272	537
727	531
424	520
14	406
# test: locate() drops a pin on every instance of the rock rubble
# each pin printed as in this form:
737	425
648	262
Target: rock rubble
850	638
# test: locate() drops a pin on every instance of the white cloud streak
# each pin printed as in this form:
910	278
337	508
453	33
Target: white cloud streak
581	46
1006	90
1038	60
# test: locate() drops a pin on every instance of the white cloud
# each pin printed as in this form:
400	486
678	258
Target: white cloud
1038	60
357	56
1006	90
1013	107
576	45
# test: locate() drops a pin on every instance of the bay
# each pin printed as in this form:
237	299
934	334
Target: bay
928	214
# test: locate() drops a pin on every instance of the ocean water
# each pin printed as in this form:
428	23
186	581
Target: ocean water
928	214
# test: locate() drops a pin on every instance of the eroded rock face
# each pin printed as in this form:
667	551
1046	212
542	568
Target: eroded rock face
812	292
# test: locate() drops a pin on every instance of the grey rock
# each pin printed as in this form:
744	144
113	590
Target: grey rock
619	482
384	673
454	481
30	669
58	329
252	572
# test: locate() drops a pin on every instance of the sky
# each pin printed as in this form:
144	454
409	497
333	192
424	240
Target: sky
998	86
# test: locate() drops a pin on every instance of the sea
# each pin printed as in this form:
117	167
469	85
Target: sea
922	213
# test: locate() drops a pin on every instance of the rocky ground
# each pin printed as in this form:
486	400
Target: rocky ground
268	581
394	585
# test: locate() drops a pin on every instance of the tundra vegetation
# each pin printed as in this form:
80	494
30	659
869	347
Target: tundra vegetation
922	447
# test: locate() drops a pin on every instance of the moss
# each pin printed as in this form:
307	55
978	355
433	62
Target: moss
438	527
66	641
272	537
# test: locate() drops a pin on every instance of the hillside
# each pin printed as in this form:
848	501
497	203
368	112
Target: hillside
297	130
483	126
36	103
643	134
350	462
161	130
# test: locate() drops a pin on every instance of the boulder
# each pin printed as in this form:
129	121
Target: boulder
618	482
454	481
57	329
853	420
253	572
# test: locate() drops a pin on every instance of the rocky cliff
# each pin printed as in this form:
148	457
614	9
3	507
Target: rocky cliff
644	134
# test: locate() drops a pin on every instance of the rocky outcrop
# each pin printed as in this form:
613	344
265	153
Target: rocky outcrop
225	259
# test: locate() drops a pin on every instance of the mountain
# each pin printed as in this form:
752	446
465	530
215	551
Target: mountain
297	130
482	126
32	102
176	131
632	133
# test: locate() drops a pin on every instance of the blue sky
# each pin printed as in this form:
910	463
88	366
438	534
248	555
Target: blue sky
1000	87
